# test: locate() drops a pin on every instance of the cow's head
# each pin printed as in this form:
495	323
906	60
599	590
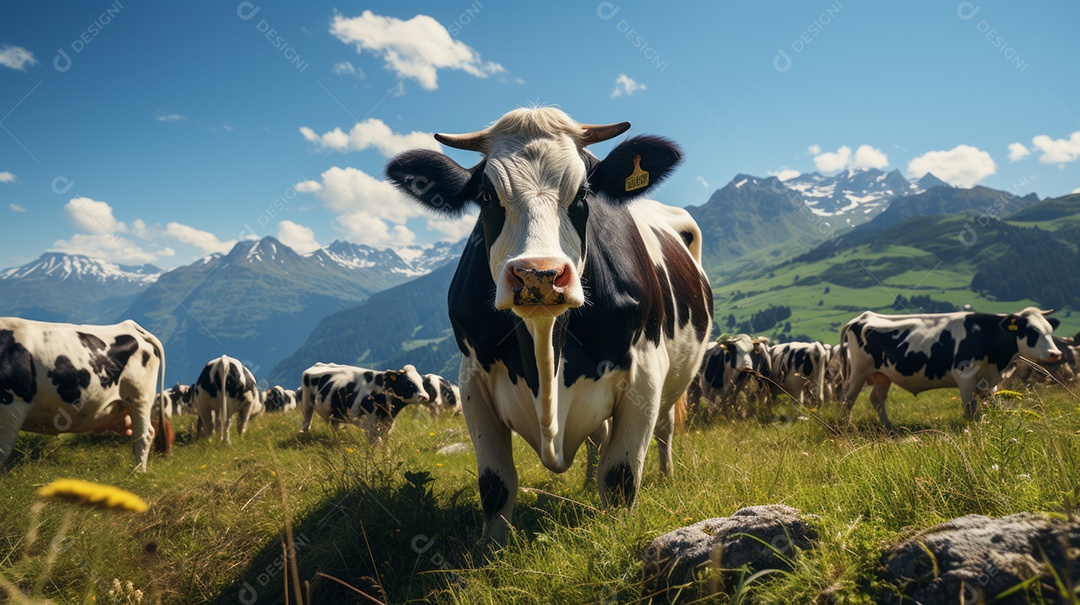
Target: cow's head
743	353
406	384
1034	334
534	187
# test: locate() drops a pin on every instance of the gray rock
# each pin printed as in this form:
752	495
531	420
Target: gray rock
974	559
453	448
757	537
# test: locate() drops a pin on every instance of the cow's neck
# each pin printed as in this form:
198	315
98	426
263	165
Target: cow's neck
542	330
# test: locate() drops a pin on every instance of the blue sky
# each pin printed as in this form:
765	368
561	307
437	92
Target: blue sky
161	132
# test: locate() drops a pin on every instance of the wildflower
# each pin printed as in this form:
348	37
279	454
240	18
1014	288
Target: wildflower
431	434
85	493
349	450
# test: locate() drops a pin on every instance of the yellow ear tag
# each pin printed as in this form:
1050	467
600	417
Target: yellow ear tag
1012	326
638	178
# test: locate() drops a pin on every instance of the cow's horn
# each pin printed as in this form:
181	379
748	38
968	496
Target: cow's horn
595	133
1046	312
470	141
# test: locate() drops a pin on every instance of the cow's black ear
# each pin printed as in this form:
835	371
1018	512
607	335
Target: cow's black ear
634	167
434	180
1054	322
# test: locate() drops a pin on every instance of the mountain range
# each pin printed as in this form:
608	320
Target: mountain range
825	247
258	303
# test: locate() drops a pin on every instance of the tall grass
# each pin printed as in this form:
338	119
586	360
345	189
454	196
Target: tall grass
400	523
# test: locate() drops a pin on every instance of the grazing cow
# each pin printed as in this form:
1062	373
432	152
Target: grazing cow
279	399
574	302
834	378
927	351
65	378
343	394
733	365
798	369
177	399
443	395
224	388
1063	371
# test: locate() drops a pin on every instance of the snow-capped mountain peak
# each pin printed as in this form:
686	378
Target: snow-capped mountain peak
76	267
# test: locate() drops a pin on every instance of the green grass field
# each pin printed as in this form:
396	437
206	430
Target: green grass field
400	523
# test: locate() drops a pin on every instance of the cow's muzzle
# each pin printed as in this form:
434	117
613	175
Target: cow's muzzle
548	283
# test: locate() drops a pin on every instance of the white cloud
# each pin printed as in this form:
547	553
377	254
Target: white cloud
108	246
297	237
16	57
346	68
870	157
864	157
7	177
170	117
228	127
1077	190
365	228
372	132
703	182
1057	151
961	166
373	212
205	241
625	85
16	208
453	228
784	174
417	48
92	216
813	150
1017	152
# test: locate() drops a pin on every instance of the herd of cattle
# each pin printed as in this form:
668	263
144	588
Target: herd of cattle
974	352
582	313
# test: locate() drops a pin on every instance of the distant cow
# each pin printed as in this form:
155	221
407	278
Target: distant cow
798	370
342	394
279	399
732	366
65	378
225	388
443	395
834	378
1062	371
177	399
940	350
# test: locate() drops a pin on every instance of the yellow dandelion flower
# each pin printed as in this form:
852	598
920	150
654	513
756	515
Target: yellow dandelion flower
431	434
349	450
85	493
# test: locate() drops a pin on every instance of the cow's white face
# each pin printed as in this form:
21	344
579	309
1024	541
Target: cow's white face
534	187
534	214
1034	335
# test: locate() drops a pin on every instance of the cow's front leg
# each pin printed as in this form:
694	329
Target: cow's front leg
592	451
141	432
496	474
242	420
12	416
623	458
664	433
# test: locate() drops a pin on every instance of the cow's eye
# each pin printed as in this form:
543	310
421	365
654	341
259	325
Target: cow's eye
487	197
584	191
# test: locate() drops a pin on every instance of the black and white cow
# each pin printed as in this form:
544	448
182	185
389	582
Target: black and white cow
834	377
798	370
342	394
65	378
574	302
732	366
177	399
225	388
279	399
443	395
927	351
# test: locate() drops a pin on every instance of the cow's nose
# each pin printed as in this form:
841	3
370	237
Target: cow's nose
539	281
1054	356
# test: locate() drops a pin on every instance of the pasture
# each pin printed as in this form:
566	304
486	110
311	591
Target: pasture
399	522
